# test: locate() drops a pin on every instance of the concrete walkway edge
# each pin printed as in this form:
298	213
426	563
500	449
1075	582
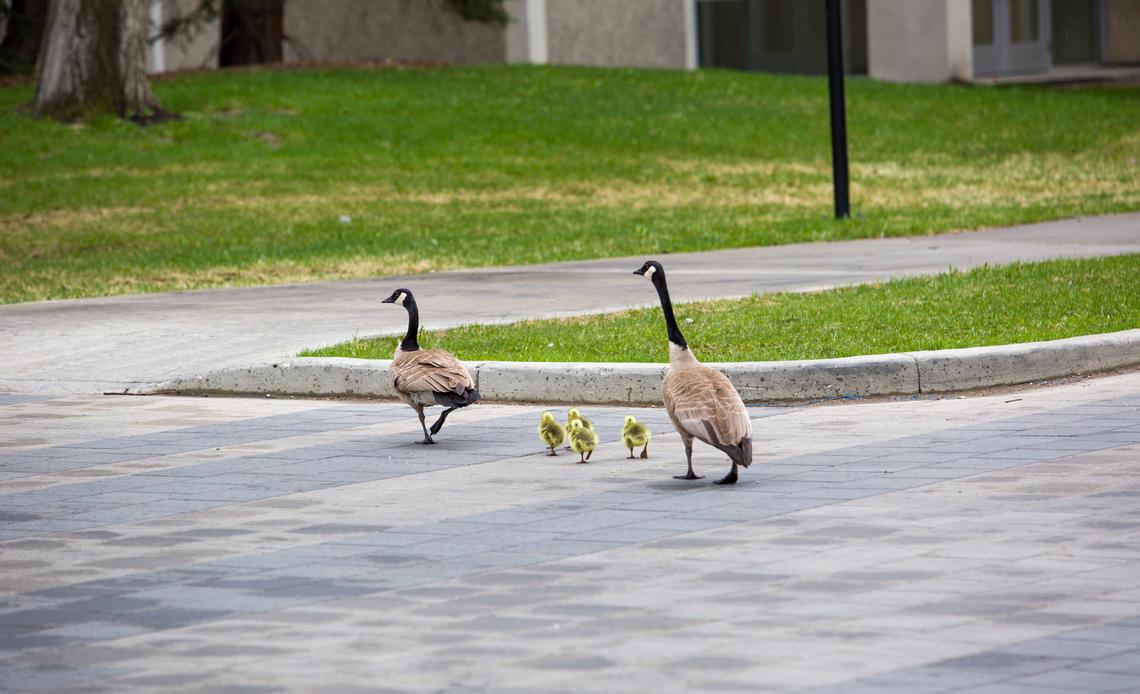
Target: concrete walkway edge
909	373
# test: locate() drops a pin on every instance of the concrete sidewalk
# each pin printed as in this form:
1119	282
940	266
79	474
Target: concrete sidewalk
95	345
983	545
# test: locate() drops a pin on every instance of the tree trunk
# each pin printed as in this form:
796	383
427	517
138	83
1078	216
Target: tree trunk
252	32
22	39
94	61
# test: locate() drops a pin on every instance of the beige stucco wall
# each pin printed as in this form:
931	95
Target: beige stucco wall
640	33
194	50
427	30
919	40
1122	38
198	49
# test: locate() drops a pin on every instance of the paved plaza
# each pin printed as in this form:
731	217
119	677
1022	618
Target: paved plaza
987	544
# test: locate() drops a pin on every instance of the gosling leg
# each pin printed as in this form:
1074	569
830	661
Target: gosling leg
551	453
644	452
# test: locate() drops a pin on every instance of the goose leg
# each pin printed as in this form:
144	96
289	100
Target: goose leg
730	478
644	451
439	422
689	456
427	437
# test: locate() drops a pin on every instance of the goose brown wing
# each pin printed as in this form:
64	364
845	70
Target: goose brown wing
430	371
702	401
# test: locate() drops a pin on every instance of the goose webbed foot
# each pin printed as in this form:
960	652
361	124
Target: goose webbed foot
582	460
551	453
730	478
630	454
427	442
690	475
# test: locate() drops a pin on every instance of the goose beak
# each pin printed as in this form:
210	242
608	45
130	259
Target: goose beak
389	300
640	272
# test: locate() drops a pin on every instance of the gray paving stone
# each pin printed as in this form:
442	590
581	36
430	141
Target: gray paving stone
1007	688
936	679
1127	663
620	555
1106	634
1007	663
1081	680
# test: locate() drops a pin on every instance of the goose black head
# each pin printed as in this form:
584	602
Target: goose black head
399	297
651	270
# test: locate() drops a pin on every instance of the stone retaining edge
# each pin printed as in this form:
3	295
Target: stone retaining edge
909	373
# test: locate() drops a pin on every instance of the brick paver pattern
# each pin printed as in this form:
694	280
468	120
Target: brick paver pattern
987	544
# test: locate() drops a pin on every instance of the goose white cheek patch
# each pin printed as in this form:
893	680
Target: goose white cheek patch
649	272
400	298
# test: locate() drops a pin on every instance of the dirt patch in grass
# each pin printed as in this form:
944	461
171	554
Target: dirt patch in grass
63	220
278	272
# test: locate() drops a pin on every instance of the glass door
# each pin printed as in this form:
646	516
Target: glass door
1028	50
1010	36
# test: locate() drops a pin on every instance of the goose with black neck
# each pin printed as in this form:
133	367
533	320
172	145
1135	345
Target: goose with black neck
701	401
425	378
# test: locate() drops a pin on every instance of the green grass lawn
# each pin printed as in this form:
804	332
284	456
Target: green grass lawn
986	306
475	166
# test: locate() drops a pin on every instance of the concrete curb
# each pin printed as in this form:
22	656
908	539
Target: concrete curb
909	373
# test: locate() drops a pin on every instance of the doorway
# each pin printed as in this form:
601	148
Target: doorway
1010	36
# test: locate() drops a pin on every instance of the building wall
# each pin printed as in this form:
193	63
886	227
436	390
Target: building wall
196	50
331	30
638	33
1122	36
427	30
919	40
526	32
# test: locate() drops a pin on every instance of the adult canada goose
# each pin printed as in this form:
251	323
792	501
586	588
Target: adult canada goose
582	440
424	378
551	432
634	434
699	399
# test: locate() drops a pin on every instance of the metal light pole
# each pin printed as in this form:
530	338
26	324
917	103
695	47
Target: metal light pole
838	110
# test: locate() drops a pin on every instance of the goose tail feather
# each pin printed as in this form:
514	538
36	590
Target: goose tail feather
467	397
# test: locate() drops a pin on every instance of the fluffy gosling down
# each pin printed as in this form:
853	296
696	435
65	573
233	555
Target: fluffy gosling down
582	440
634	434
551	432
571	415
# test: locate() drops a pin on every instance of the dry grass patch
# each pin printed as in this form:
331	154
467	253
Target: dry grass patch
70	220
